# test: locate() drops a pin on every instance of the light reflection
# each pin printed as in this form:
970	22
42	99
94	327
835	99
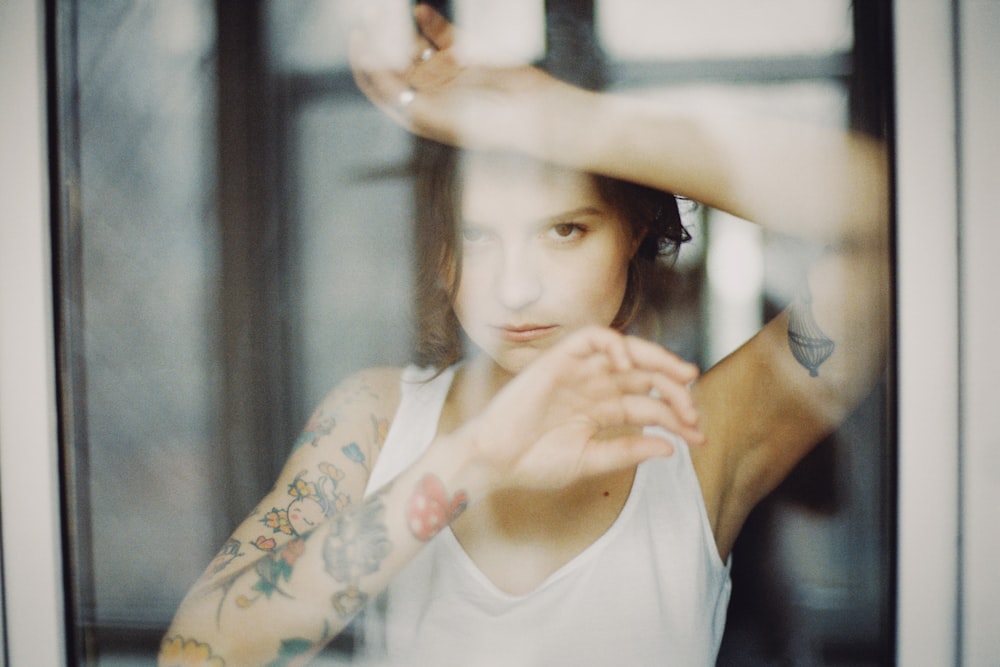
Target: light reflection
502	33
736	278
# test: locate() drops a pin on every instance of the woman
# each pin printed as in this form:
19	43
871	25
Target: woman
565	494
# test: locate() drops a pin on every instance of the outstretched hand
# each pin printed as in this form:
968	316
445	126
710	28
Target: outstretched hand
441	95
579	410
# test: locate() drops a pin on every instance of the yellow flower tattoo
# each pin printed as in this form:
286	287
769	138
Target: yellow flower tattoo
179	652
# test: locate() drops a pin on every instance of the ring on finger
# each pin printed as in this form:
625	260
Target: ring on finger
426	55
405	98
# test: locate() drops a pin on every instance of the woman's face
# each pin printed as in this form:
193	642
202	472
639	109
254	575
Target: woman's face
542	255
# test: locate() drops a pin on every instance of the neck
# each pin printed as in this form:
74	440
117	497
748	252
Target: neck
484	378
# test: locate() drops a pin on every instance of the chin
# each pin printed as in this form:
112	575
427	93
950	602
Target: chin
513	361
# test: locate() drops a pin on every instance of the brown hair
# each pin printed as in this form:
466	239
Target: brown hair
651	214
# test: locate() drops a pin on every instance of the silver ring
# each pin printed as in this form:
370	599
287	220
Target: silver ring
405	99
426	54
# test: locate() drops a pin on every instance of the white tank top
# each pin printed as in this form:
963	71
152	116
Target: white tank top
651	590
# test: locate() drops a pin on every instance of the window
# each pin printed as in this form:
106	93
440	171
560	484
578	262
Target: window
213	200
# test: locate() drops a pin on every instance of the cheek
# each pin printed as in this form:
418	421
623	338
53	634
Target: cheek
609	264
605	289
467	295
475	285
589	288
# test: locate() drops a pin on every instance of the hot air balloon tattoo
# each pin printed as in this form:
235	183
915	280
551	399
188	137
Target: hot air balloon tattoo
810	346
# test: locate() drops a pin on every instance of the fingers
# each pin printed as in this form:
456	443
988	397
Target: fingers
380	44
637	411
405	88
434	27
372	75
627	352
625	451
592	341
386	88
656	358
387	29
639	365
662	390
630	382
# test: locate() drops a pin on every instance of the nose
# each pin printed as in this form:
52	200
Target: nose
518	283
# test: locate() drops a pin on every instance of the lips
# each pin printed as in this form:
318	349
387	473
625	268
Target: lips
525	333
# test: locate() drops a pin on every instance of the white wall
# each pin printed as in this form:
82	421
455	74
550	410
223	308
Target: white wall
32	591
979	169
948	168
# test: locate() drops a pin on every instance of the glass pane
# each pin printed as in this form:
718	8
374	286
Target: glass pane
352	199
676	30
141	249
239	234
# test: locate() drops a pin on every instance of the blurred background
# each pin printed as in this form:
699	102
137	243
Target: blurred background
233	238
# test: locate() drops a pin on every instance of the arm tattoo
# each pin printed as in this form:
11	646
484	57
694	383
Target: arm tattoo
293	649
271	570
810	346
178	651
430	510
354	453
230	551
356	546
319	425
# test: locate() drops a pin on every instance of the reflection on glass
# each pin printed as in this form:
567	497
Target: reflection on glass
316	251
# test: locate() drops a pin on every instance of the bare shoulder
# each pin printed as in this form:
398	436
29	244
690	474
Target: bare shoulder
374	389
326	471
344	435
364	402
333	456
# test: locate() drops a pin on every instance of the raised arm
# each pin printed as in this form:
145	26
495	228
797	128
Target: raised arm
313	553
271	590
296	572
766	405
815	182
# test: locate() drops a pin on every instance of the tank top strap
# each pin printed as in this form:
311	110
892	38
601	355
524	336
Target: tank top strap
422	396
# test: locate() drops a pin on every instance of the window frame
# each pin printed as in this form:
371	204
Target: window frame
33	622
928	370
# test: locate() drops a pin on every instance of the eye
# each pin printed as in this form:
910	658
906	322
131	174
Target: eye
567	231
473	235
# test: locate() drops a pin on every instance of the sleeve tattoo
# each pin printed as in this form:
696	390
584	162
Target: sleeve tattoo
358	543
355	546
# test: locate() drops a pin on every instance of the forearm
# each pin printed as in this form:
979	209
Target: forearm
815	182
826	184
298	598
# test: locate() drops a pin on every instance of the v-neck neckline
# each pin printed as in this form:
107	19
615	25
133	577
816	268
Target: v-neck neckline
580	559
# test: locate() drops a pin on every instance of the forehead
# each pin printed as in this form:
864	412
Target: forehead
521	188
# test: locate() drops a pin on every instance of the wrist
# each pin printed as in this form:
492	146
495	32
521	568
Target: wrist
447	481
455	460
